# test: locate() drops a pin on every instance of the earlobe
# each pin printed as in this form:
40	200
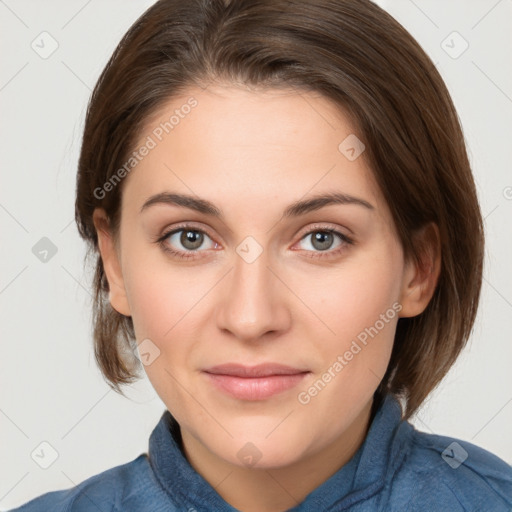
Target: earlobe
111	263
420	277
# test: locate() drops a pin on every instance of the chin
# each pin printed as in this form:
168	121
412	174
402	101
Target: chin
259	452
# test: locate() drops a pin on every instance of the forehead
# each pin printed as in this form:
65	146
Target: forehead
257	144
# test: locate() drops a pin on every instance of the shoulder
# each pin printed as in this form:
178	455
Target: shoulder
452	474
124	487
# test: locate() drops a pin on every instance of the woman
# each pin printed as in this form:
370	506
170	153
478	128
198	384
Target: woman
288	238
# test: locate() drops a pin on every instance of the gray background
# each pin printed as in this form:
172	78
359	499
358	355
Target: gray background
51	390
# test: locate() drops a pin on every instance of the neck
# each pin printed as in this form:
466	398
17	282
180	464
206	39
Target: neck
280	488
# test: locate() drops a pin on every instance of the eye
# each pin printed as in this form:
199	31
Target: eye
190	239
321	240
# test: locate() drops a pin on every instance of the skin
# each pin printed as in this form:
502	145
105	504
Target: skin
252	153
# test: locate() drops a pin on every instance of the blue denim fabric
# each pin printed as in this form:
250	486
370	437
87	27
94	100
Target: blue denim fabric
396	469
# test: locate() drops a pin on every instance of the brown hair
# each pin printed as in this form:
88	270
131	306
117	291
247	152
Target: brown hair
350	51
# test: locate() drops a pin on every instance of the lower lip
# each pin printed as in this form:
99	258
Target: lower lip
257	388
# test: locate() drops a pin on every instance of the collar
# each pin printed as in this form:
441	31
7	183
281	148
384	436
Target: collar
362	477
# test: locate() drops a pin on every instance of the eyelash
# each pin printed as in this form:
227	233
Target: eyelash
187	255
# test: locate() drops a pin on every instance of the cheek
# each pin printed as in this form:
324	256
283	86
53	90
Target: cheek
163	310
151	303
357	304
360	306
160	293
169	307
358	292
162	303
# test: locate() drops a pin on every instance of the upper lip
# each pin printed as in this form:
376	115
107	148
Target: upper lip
260	370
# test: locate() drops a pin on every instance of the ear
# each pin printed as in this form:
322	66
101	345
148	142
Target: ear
420	278
111	263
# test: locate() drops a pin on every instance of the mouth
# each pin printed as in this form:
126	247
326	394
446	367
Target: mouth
254	382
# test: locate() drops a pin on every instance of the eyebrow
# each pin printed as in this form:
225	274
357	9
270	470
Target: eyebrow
295	209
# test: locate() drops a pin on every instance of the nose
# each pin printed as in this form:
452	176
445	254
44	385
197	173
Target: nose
254	303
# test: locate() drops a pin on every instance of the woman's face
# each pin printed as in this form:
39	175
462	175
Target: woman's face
258	279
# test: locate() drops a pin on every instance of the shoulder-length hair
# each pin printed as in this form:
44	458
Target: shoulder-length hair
353	53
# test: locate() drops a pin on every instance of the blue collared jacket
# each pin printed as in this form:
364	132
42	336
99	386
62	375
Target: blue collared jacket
396	469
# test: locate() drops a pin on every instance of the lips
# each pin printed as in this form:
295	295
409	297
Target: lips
254	382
